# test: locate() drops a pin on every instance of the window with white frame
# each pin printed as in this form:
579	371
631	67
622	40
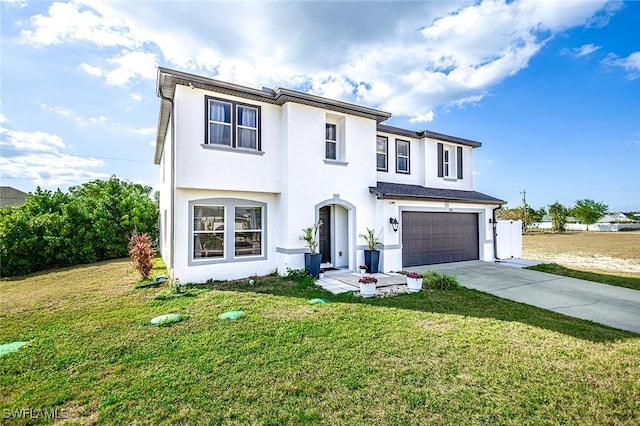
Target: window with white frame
382	146
232	124
208	231
402	156
248	231
331	141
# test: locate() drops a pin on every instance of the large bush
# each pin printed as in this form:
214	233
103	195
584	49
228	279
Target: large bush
91	222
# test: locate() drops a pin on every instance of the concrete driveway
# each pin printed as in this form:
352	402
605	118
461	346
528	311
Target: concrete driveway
613	306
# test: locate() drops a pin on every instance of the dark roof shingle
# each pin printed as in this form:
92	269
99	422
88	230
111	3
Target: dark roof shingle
388	190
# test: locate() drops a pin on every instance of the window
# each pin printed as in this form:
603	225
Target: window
402	156
247	127
331	142
208	231
450	161
248	231
382	144
227	230
232	124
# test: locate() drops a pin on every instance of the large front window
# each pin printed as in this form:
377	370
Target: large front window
227	230
232	124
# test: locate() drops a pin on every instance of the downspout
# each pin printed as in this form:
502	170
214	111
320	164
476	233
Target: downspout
173	183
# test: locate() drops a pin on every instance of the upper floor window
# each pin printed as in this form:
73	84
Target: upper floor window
450	161
382	146
331	142
232	124
402	156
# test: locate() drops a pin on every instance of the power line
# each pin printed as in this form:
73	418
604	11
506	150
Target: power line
80	156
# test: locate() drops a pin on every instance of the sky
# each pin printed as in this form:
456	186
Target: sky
550	88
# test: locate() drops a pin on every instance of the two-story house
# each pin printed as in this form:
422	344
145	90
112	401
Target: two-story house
244	170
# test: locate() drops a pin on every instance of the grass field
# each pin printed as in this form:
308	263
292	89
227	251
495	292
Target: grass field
436	357
613	253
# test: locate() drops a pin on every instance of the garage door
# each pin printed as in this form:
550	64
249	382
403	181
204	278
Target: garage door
429	238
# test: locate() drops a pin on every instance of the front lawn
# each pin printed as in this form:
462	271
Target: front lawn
436	357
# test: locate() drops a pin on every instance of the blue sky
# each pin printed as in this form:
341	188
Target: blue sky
551	89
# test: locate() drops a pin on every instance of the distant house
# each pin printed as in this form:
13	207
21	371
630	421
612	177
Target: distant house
11	197
608	222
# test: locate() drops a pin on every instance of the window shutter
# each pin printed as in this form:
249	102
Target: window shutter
440	160
459	155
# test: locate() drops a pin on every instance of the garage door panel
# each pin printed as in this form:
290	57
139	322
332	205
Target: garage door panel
429	238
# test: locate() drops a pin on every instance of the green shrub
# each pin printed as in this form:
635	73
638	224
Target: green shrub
300	277
91	222
436	281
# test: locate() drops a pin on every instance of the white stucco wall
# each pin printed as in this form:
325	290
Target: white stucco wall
202	270
432	179
200	166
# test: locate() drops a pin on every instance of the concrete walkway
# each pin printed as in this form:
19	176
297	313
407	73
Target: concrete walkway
613	306
342	282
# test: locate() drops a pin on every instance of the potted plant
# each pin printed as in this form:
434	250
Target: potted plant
313	260
368	286
372	256
363	269
414	281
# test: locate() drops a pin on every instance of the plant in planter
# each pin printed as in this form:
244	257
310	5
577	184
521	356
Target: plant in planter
313	260
372	256
363	269
414	281
367	286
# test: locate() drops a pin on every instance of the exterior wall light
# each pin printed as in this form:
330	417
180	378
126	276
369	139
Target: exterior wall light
394	224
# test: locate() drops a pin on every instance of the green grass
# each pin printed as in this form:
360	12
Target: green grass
554	268
434	357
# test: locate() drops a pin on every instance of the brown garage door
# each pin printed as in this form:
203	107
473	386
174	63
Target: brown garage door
429	238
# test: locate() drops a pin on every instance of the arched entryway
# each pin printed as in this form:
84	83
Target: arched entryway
337	235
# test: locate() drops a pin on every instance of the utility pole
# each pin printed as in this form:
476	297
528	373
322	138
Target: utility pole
523	193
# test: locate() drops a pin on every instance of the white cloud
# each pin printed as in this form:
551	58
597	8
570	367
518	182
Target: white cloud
135	96
584	50
424	118
31	141
67	22
51	170
67	113
146	131
131	64
3	119
40	158
631	64
90	69
408	58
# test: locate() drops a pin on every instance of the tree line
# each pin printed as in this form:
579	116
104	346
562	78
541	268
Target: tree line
89	223
586	211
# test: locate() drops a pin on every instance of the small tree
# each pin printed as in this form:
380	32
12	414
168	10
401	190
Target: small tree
558	214
588	211
141	253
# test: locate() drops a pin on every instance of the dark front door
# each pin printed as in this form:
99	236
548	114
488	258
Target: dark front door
429	238
325	234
